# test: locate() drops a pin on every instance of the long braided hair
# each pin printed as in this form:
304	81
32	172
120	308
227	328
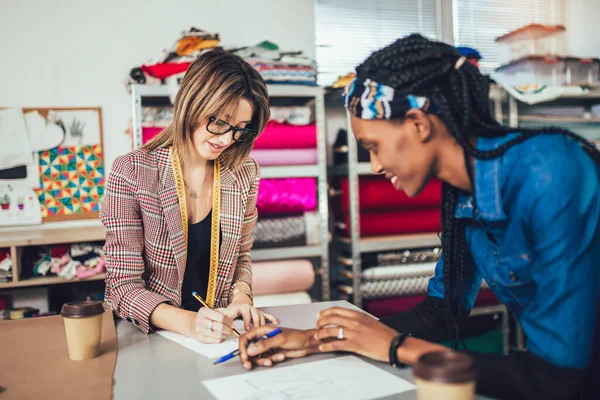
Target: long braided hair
417	66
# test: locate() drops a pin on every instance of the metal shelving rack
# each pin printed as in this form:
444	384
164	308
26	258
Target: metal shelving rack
355	245
319	171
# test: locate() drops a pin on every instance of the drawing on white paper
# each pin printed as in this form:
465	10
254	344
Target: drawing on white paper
207	350
19	205
81	127
345	377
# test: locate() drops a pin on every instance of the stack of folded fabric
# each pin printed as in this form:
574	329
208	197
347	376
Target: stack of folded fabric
286	196
5	266
290	138
287	230
282	282
280	67
80	261
386	211
175	60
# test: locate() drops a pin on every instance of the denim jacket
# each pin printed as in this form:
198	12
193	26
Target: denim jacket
533	232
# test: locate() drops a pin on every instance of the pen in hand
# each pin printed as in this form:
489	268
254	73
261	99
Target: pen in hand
201	300
237	351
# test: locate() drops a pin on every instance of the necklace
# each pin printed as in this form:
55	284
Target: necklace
193	193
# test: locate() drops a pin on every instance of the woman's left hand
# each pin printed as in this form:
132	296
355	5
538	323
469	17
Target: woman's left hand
362	334
251	315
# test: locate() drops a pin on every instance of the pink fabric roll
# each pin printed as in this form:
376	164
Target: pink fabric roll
285	136
286	276
284	196
149	132
285	156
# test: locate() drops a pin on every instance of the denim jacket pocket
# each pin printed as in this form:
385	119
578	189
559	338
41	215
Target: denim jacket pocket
514	271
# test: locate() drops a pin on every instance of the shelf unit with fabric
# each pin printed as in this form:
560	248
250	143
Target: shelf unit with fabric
143	95
17	239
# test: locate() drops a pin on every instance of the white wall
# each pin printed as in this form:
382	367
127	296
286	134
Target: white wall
78	53
581	20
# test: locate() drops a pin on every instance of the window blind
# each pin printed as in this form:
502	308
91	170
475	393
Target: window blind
348	31
477	23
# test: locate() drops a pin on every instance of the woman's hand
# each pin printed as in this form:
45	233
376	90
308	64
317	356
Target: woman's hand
362	333
290	343
251	315
211	326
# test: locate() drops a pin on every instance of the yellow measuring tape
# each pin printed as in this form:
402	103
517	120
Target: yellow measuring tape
215	228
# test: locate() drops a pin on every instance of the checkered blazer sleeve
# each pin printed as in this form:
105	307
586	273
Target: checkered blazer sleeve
126	291
243	269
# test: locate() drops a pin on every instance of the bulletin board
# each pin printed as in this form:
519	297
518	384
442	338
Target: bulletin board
71	167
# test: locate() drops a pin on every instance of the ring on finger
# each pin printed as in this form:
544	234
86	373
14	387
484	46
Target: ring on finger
211	326
340	334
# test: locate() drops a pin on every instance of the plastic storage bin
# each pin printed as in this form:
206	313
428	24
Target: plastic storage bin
582	71
531	40
533	70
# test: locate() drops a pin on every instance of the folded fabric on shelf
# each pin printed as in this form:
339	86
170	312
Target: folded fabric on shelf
398	271
413	256
287	230
148	132
285	276
293	115
287	196
272	157
377	193
157	116
377	223
285	299
285	136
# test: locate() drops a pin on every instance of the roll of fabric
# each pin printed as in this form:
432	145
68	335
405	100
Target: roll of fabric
286	299
287	196
376	223
394	287
149	132
390	306
377	193
287	230
415	256
398	271
293	115
281	231
386	307
285	156
286	276
285	136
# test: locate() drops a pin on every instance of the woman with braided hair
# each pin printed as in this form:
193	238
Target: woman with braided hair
520	209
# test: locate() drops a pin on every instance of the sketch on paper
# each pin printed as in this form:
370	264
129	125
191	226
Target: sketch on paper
345	377
81	127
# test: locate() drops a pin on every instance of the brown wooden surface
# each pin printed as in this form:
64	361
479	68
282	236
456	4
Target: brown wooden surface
35	362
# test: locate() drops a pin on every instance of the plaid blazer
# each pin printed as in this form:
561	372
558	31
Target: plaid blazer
145	244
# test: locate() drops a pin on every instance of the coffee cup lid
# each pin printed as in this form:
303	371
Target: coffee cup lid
82	309
446	367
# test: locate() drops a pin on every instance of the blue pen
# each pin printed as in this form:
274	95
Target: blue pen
237	352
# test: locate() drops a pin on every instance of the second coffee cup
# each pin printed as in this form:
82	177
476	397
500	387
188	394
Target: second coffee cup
445	375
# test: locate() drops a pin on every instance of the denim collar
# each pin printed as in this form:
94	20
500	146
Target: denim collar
488	192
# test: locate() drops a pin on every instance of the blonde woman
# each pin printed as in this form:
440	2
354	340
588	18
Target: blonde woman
180	211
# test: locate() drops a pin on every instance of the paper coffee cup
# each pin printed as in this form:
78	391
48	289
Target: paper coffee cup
445	375
83	326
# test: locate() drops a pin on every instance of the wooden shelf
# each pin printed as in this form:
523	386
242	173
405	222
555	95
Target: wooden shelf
54	280
53	236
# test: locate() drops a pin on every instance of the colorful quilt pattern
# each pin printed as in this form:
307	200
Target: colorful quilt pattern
71	180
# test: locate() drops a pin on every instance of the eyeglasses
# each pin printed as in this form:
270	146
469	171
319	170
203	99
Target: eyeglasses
219	127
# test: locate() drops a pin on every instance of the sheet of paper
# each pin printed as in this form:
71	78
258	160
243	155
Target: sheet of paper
15	149
338	378
207	350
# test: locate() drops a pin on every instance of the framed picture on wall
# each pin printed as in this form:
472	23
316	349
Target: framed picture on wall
70	159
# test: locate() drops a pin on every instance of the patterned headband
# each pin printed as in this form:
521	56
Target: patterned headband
367	99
